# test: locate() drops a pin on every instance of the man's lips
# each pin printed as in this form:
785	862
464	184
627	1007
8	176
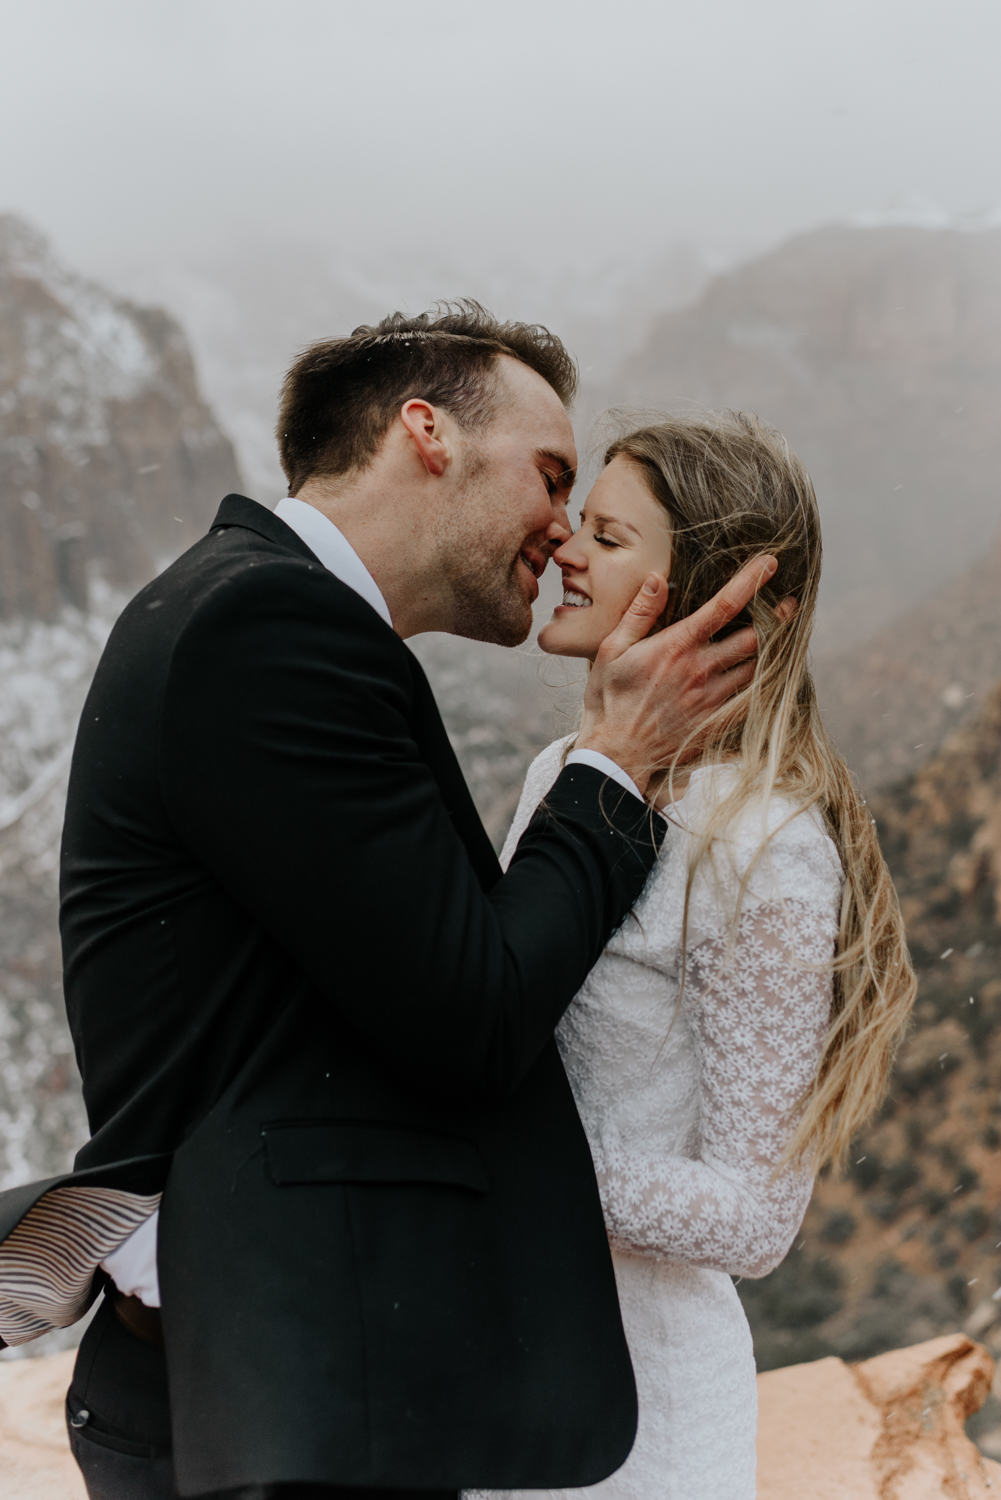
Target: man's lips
535	565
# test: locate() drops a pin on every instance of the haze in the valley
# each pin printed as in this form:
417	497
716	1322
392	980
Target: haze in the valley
271	174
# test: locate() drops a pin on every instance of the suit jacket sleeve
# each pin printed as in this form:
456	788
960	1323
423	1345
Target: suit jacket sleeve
289	767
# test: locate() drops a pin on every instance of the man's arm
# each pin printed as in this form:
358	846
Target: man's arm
290	771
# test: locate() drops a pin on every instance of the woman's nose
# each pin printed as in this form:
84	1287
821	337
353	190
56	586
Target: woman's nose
569	555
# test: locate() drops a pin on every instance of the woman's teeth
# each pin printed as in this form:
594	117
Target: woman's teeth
579	601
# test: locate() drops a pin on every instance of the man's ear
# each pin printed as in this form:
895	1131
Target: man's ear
425	426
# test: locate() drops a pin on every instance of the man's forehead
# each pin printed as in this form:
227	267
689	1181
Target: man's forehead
534	407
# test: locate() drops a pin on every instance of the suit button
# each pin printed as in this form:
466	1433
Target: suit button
80	1418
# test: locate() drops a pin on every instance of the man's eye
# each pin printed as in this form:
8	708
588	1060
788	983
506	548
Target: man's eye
550	484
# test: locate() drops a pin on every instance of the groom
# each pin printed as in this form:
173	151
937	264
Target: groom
306	1004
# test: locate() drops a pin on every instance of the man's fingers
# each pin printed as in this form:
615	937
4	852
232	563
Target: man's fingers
738	677
733	649
727	604
638	620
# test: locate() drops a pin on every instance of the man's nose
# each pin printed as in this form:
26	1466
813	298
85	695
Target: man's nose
559	529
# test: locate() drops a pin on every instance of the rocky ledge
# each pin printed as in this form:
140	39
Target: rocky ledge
888	1429
891	1428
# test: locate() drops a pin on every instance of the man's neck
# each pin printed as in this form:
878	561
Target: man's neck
390	548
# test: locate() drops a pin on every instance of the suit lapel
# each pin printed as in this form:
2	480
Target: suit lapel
237	510
440	757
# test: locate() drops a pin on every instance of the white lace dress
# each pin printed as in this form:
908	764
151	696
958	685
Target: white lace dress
687	1111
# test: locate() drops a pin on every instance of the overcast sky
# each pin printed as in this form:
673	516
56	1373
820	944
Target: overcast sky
536	131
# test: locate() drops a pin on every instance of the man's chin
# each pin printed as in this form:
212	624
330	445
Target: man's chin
496	632
505	623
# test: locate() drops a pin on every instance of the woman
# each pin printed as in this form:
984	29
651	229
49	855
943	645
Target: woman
739	1028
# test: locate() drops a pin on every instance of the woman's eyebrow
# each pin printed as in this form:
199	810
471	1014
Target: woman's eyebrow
615	521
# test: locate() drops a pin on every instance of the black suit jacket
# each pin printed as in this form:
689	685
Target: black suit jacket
303	996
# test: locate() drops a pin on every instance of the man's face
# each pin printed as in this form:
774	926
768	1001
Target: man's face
507	509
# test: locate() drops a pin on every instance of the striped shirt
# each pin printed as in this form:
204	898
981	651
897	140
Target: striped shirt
47	1263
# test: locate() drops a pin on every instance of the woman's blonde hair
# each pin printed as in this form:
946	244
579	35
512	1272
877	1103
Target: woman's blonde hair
733	488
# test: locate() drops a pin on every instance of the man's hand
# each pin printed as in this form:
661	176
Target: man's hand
645	697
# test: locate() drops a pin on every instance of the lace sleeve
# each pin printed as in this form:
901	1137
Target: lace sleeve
758	1015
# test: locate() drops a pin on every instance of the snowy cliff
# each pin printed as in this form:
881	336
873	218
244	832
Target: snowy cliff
110	461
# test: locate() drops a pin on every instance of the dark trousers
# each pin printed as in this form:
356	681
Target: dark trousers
118	1416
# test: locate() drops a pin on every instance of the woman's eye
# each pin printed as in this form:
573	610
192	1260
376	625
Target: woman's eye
604	541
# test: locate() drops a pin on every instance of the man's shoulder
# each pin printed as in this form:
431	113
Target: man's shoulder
254	566
239	598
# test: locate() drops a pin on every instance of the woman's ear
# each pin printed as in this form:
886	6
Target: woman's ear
786	608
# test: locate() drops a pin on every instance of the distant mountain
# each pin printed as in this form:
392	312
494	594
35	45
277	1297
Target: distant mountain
248	312
110	461
110	465
892	701
878	353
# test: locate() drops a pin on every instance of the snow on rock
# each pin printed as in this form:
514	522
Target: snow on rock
111	464
110	461
45	670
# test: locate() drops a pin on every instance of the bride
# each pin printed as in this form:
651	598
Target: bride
739	1028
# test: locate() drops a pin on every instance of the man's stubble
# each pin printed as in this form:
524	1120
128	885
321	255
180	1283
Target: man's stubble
481	565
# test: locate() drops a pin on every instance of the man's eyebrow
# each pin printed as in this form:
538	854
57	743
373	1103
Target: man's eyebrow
567	471
615	521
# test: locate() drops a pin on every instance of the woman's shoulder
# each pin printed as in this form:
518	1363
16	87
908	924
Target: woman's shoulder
539	779
549	762
780	846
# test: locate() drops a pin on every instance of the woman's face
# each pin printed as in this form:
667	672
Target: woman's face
624	534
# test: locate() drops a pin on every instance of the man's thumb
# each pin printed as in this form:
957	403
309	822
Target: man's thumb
638	620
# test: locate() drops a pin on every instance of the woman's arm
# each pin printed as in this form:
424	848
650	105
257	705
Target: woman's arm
759	1016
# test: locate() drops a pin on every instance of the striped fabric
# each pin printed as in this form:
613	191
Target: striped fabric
47	1264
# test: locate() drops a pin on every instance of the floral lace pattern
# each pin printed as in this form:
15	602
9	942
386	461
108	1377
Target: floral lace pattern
688	1094
757	1016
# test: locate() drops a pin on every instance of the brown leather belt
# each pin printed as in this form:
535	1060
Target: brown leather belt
139	1319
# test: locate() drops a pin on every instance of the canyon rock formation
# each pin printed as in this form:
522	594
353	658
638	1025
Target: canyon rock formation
110	461
892	700
110	464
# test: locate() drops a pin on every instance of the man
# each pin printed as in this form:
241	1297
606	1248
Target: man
306	1005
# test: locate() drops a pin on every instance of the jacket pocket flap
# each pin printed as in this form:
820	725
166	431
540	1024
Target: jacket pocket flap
329	1151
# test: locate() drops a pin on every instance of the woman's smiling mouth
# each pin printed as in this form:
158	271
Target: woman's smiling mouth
573	598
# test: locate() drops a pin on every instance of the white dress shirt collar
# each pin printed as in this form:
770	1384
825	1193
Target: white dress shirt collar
334	551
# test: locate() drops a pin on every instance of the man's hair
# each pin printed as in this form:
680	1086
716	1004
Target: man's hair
341	395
